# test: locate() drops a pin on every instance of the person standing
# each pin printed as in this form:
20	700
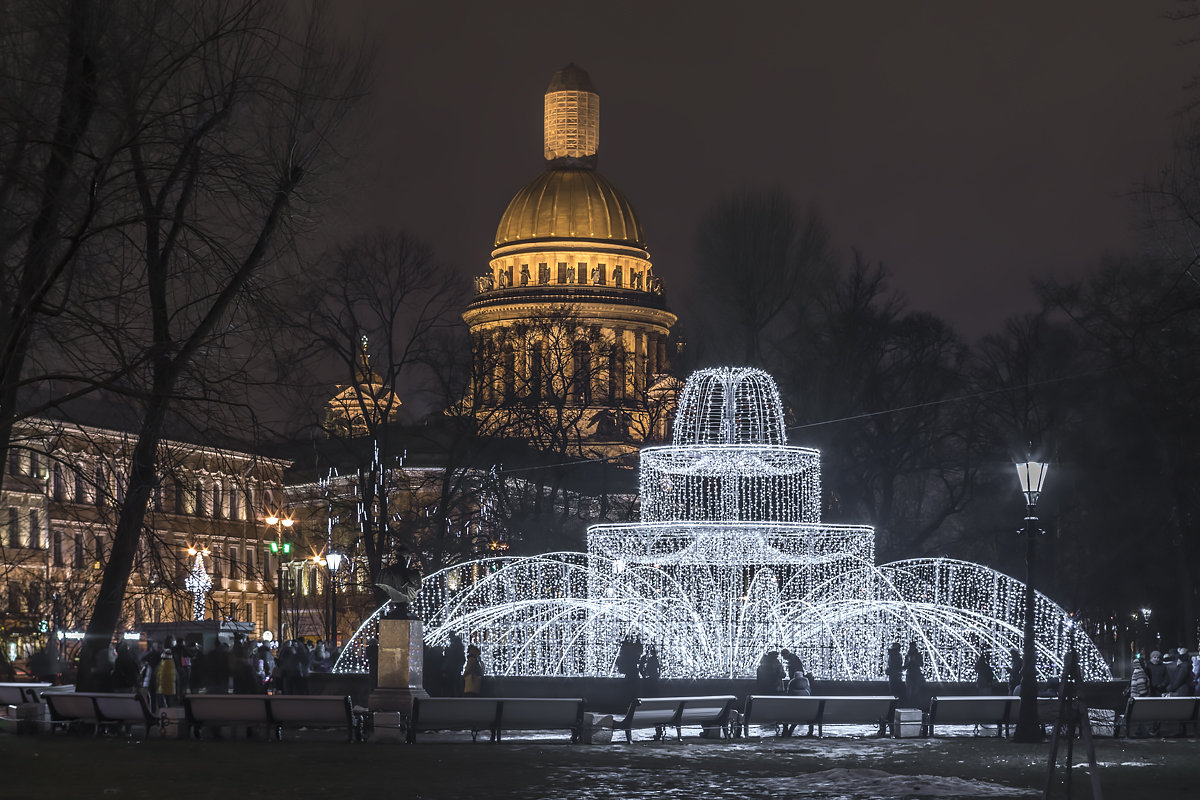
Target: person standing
985	677
895	673
166	677
1014	670
914	676
628	657
651	669
768	677
473	673
1139	686
1160	679
452	665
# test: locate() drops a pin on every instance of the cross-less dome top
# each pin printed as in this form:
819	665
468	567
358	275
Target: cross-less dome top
730	405
570	204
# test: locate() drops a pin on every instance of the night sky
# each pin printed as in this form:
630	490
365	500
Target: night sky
968	146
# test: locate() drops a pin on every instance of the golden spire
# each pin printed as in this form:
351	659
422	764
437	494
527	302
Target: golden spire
572	117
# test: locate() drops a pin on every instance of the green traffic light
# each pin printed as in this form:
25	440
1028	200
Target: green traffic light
274	547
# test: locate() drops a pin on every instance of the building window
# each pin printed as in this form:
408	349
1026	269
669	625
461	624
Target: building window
58	548
180	495
235	504
14	461
79	557
60	485
250	561
35	528
35	465
80	489
543	273
14	528
216	500
235	566
199	495
101	493
562	272
581	273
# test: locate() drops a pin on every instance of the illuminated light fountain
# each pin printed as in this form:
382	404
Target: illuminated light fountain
729	561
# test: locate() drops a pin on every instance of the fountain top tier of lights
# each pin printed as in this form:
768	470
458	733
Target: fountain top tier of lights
728	460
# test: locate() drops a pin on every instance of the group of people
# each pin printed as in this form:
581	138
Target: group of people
453	670
781	671
640	665
168	669
906	674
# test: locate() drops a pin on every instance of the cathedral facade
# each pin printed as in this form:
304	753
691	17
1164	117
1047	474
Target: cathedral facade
570	324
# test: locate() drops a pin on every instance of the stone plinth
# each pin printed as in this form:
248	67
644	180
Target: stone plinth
401	656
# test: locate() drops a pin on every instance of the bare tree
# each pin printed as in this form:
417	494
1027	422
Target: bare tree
226	113
756	253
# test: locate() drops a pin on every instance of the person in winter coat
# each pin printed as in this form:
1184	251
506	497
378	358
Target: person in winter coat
985	676
895	672
915	675
1181	684
769	675
453	661
1159	677
166	680
1139	686
473	673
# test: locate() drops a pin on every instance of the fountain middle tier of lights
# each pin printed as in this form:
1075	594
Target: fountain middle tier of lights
731	560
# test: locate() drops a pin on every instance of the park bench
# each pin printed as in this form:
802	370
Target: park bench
998	710
1150	710
313	711
71	709
124	711
539	714
222	710
15	694
474	714
785	710
711	712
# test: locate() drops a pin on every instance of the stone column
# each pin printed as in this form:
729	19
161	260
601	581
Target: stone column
401	656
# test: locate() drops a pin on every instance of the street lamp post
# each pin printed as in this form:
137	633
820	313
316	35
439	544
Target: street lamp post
1032	475
279	547
333	561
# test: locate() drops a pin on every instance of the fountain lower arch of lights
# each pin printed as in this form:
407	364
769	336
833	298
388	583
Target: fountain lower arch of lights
731	560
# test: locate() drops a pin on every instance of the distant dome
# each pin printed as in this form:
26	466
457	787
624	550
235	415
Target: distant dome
571	78
570	204
730	406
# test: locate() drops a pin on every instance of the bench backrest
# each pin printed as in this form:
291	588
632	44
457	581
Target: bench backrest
772	709
534	713
16	693
65	706
226	708
837	710
301	708
449	712
712	710
1160	709
122	708
973	709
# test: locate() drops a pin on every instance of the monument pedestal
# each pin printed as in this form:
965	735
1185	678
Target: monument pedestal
401	656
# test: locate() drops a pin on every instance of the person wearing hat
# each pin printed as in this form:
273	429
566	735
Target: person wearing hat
1159	677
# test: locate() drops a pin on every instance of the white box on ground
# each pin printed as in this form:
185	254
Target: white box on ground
597	728
173	722
389	726
906	723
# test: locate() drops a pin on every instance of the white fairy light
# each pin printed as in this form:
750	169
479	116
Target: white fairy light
729	561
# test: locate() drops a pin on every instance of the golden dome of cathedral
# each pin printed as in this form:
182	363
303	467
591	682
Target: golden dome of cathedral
570	203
